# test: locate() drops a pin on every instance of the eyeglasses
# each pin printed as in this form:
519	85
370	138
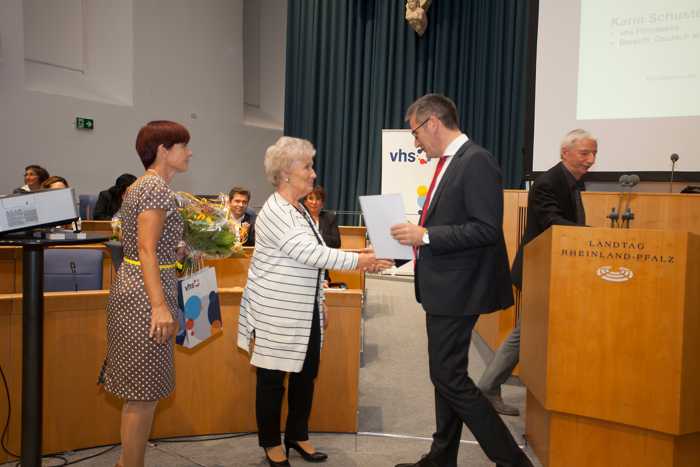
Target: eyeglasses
414	131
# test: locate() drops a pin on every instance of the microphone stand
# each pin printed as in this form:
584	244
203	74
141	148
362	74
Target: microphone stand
674	158
617	217
613	216
628	215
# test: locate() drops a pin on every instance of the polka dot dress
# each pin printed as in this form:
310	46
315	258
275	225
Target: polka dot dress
136	367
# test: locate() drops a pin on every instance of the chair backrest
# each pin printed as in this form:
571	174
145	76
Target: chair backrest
87	206
117	251
68	269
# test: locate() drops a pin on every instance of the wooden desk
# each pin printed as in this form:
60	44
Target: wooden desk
96	226
215	385
351	238
230	272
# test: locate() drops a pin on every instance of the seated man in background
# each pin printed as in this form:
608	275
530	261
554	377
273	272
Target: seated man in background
238	200
554	199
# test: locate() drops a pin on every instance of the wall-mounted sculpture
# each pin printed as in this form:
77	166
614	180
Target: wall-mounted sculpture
416	15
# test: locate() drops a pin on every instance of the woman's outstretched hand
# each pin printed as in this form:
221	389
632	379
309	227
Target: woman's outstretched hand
368	262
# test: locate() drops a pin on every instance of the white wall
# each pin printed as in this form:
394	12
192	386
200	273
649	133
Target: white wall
187	62
264	67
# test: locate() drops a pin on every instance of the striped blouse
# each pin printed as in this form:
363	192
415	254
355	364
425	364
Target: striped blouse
284	281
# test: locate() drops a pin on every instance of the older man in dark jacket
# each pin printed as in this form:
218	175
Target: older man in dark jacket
554	199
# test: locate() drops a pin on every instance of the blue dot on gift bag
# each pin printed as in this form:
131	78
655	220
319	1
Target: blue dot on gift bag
193	307
180	337
214	312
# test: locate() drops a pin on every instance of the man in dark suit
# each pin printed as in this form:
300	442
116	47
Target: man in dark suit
554	199
238	200
461	272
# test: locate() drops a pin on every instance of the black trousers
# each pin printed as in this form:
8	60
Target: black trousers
458	400
300	393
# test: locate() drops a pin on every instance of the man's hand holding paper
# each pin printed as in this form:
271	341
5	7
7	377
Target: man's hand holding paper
381	212
408	234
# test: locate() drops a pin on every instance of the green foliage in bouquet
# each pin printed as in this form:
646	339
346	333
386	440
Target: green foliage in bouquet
209	231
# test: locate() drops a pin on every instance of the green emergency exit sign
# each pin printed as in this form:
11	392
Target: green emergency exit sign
82	123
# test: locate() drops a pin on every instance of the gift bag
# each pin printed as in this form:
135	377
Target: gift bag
199	301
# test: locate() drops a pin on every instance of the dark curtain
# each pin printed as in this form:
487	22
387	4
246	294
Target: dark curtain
354	67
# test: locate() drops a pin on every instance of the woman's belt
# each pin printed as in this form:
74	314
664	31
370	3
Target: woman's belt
161	266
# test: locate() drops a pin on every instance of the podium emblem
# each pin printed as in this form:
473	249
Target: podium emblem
607	273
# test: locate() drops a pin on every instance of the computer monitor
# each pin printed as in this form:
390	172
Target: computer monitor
31	210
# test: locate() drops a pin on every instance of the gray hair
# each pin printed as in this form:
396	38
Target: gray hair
434	104
575	135
280	156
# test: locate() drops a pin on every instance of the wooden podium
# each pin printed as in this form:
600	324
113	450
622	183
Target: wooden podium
610	349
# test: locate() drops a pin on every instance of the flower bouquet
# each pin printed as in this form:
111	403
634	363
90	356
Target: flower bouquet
209	232
116	225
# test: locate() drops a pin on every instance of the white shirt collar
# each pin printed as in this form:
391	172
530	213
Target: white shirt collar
450	151
456	143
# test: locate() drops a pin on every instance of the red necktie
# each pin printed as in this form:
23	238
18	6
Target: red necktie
426	205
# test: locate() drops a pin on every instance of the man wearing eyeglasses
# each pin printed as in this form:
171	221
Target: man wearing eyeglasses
461	272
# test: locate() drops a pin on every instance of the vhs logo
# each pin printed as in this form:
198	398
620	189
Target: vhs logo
402	156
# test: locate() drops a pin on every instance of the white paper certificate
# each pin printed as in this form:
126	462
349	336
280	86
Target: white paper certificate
380	213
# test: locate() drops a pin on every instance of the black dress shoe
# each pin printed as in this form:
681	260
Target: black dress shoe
317	456
423	462
524	462
284	463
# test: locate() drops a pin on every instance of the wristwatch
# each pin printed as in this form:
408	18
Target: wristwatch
426	238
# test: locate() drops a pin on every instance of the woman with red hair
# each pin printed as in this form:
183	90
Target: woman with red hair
142	312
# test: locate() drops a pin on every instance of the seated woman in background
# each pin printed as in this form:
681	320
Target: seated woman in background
34	176
54	182
325	221
109	201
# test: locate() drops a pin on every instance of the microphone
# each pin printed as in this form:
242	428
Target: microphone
625	181
674	159
615	213
628	215
628	181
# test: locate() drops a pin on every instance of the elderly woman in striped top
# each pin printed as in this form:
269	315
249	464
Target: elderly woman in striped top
282	312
